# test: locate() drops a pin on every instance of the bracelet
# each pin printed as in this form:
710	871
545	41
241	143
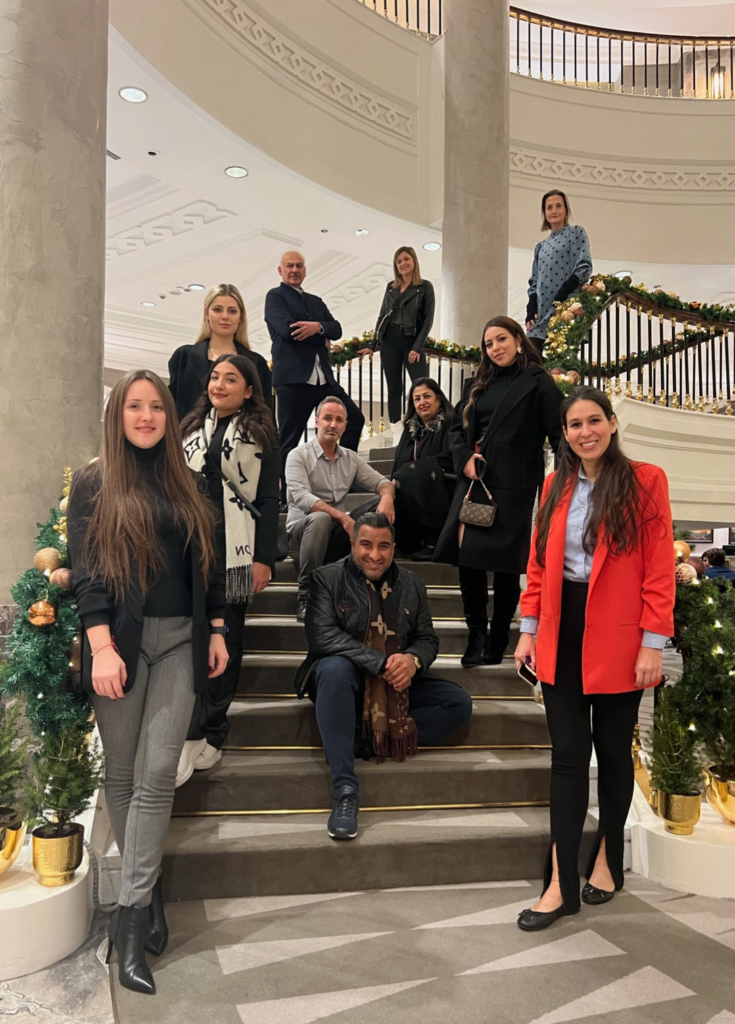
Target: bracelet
111	644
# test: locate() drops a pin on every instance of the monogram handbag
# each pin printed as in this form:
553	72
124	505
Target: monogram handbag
473	513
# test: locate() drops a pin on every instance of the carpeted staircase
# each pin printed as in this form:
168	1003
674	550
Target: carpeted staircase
471	810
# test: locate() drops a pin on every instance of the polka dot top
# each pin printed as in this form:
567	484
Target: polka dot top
555	259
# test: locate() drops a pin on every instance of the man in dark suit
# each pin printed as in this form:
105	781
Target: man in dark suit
301	329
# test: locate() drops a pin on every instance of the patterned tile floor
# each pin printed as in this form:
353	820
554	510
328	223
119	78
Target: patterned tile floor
652	956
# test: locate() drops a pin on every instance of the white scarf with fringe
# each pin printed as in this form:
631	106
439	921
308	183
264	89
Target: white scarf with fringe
240	465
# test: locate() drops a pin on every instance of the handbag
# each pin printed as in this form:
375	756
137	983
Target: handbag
473	513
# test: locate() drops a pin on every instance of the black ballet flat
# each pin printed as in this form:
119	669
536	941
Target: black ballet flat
536	920
596	897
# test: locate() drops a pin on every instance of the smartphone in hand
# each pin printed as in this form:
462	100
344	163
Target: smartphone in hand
527	674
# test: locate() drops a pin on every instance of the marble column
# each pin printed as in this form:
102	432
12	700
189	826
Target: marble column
476	167
53	98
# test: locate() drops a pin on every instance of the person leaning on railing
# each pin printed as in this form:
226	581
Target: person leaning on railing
597	612
561	265
403	326
510	408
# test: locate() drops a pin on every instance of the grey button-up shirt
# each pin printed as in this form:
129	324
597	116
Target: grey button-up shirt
312	477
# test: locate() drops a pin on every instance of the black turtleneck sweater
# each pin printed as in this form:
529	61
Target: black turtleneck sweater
489	400
169	594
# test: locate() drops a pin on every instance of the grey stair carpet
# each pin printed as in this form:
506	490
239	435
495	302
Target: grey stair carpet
434	574
280	599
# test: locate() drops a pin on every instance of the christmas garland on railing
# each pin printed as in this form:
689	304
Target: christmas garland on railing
344	351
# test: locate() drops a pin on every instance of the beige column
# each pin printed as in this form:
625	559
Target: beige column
476	167
53	99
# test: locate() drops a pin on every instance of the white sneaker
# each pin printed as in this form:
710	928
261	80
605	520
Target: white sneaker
186	761
207	757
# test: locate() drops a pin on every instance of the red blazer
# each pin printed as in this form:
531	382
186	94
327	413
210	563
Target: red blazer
627	593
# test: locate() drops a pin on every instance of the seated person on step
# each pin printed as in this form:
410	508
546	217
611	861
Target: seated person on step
716	567
319	475
371	643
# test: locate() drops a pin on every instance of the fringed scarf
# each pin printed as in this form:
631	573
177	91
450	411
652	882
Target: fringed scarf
240	465
385	718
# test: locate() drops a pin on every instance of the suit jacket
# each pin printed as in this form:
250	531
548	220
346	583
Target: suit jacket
188	371
628	593
293	361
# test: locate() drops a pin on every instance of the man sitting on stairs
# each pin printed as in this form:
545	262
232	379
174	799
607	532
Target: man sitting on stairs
371	643
319	475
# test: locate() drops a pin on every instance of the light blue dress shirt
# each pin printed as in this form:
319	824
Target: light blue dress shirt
577	562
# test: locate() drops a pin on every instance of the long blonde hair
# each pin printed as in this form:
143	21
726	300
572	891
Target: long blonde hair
121	538
205	331
417	278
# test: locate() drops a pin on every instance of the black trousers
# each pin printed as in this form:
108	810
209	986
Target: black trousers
506	593
394	349
296	402
209	720
576	721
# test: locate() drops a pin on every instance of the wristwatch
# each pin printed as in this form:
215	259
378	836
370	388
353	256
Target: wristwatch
417	662
218	630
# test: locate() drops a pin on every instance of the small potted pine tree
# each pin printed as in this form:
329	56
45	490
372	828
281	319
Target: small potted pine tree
676	774
13	752
64	778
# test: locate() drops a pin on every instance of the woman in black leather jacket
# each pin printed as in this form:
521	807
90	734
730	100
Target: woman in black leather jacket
403	326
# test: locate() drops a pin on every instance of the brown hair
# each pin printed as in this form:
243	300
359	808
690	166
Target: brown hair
618	501
254	416
205	331
121	538
545	226
417	278
528	356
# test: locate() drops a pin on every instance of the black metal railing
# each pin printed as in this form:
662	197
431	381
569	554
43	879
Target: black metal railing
421	16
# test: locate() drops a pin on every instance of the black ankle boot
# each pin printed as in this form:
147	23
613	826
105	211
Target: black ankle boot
127	932
157	938
495	647
475	644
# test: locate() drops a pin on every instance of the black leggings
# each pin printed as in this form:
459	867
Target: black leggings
209	720
576	721
394	349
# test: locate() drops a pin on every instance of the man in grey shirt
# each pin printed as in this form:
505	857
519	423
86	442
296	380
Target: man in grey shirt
319	475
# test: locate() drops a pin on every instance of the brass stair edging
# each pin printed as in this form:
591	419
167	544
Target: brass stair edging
292	696
478	746
397	807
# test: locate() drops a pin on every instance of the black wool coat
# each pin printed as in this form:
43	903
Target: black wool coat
434	444
188	371
513	445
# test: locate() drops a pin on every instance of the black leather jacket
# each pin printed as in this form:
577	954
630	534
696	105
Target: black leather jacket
337	620
417	306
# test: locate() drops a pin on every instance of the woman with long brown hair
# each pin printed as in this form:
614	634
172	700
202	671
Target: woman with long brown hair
230	438
223	332
510	408
148	583
403	325
597	612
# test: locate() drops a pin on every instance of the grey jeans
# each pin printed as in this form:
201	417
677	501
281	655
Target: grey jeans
143	735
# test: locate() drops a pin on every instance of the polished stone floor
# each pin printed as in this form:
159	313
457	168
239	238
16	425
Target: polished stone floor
652	956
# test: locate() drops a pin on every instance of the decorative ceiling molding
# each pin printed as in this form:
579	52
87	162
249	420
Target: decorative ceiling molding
305	69
612	174
164	227
370	280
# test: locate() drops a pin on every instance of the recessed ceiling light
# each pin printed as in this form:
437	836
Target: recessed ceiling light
148	304
236	172
432	246
196	287
325	231
362	231
132	94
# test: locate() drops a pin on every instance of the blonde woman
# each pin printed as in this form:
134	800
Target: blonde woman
403	326
224	331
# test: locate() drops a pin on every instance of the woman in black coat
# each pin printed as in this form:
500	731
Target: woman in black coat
511	407
224	331
403	326
423	461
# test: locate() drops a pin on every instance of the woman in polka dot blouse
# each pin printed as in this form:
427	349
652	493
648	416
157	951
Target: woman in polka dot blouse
561	265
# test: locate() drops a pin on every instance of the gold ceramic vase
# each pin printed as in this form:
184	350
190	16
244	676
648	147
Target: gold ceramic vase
55	860
12	837
720	794
679	813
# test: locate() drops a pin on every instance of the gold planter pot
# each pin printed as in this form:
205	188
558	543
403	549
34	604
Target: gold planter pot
12	837
720	794
56	860
679	813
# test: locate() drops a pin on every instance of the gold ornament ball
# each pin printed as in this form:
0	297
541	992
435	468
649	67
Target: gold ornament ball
64	504
685	574
42	613
682	550
47	559
62	578
567	316
573	377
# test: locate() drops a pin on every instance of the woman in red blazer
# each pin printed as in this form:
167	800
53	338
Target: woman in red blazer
597	612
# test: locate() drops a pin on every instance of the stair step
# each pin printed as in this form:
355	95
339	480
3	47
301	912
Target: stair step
299	781
289	723
382	465
434	574
223	857
280	599
380	454
274	674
